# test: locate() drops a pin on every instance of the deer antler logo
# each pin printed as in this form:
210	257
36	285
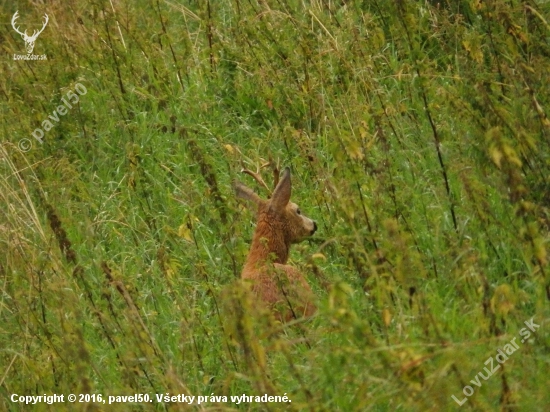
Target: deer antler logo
29	40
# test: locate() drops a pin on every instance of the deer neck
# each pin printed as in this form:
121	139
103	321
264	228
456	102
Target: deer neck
268	245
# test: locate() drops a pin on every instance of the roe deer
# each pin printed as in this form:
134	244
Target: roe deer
279	224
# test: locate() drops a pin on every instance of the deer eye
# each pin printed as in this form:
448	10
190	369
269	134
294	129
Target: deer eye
298	211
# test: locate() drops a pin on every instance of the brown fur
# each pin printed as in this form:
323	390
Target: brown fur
279	286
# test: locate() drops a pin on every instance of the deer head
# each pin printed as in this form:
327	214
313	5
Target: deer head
280	221
29	40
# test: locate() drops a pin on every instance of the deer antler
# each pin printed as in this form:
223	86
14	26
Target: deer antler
15	17
276	171
258	177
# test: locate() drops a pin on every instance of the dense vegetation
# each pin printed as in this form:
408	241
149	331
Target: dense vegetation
419	140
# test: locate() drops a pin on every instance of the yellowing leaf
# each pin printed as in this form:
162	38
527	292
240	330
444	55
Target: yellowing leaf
496	156
473	46
503	300
355	151
540	251
185	232
363	132
319	256
386	317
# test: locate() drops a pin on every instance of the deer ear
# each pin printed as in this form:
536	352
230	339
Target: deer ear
281	194
246	193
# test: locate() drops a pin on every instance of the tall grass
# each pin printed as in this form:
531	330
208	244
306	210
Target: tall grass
418	136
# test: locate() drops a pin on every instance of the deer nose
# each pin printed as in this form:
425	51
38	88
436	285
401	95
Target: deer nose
314	228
